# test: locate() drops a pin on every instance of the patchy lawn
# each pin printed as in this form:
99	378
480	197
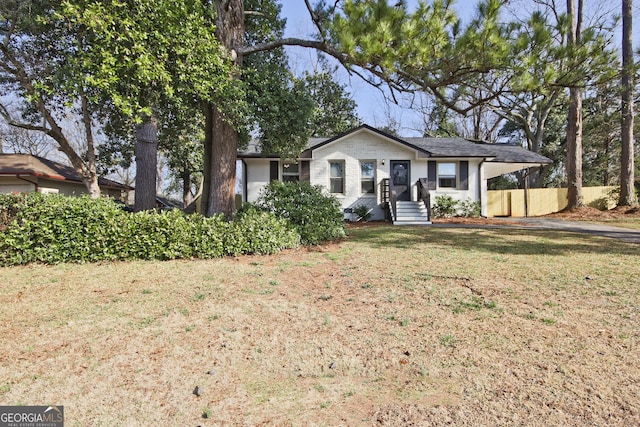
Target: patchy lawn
394	326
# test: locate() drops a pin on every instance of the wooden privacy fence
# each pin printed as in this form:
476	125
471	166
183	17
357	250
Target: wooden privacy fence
542	201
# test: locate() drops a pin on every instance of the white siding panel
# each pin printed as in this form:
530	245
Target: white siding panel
257	177
473	193
353	148
364	146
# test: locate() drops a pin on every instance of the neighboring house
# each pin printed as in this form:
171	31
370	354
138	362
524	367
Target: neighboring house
27	173
392	176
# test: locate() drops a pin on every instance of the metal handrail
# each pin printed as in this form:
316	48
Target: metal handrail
424	195
393	199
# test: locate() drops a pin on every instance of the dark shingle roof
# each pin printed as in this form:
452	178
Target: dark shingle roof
450	147
432	147
511	153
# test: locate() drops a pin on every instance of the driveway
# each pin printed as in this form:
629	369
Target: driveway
624	234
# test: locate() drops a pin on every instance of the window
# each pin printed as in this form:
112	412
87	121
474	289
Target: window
336	177
447	175
290	172
367	177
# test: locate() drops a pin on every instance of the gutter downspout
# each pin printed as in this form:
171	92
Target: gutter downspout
245	188
482	188
526	192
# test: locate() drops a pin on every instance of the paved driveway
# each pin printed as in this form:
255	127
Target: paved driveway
624	234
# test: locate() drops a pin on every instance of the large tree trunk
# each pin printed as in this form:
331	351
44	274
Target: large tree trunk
627	172
574	149
146	162
221	140
90	181
218	194
574	124
186	189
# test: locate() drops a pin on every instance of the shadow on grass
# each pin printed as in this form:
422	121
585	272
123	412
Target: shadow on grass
494	240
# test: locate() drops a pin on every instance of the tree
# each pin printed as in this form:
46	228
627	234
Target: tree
181	141
601	148
37	58
529	91
574	121
18	140
627	169
384	43
333	109
532	81
142	56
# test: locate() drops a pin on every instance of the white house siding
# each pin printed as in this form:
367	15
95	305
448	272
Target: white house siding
473	193
364	146
257	177
352	149
10	184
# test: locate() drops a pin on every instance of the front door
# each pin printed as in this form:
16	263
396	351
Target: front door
401	177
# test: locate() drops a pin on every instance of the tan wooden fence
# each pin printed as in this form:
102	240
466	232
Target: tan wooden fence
542	201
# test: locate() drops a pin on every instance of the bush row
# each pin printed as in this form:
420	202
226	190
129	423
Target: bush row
447	207
53	229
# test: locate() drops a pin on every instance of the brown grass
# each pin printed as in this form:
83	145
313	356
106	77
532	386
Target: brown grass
395	326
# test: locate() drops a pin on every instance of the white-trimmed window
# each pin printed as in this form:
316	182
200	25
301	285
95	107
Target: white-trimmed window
447	175
290	172
367	177
336	176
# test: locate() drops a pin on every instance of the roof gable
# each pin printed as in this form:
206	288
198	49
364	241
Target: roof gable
362	128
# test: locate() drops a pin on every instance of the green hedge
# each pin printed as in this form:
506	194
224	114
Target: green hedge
53	229
317	216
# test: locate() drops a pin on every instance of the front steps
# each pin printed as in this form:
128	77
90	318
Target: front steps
411	213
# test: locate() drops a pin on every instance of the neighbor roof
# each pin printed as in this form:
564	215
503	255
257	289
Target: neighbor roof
28	164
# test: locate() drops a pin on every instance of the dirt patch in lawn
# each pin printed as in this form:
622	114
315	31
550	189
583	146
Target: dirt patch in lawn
391	327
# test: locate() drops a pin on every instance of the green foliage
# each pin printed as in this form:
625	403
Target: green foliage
53	229
363	212
317	217
470	209
280	109
255	231
138	53
426	47
445	207
334	112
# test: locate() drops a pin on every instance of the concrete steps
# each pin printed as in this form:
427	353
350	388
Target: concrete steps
411	213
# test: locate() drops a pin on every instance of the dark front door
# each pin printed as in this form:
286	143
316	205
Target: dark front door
401	177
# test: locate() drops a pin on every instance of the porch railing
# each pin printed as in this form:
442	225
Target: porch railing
423	194
390	197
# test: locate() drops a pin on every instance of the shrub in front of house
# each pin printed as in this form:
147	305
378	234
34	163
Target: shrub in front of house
470	209
447	207
363	212
316	215
53	229
254	231
444	207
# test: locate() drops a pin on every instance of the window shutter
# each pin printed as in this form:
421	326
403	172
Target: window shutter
431	175
464	175
305	171
273	170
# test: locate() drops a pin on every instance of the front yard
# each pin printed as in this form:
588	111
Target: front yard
393	326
